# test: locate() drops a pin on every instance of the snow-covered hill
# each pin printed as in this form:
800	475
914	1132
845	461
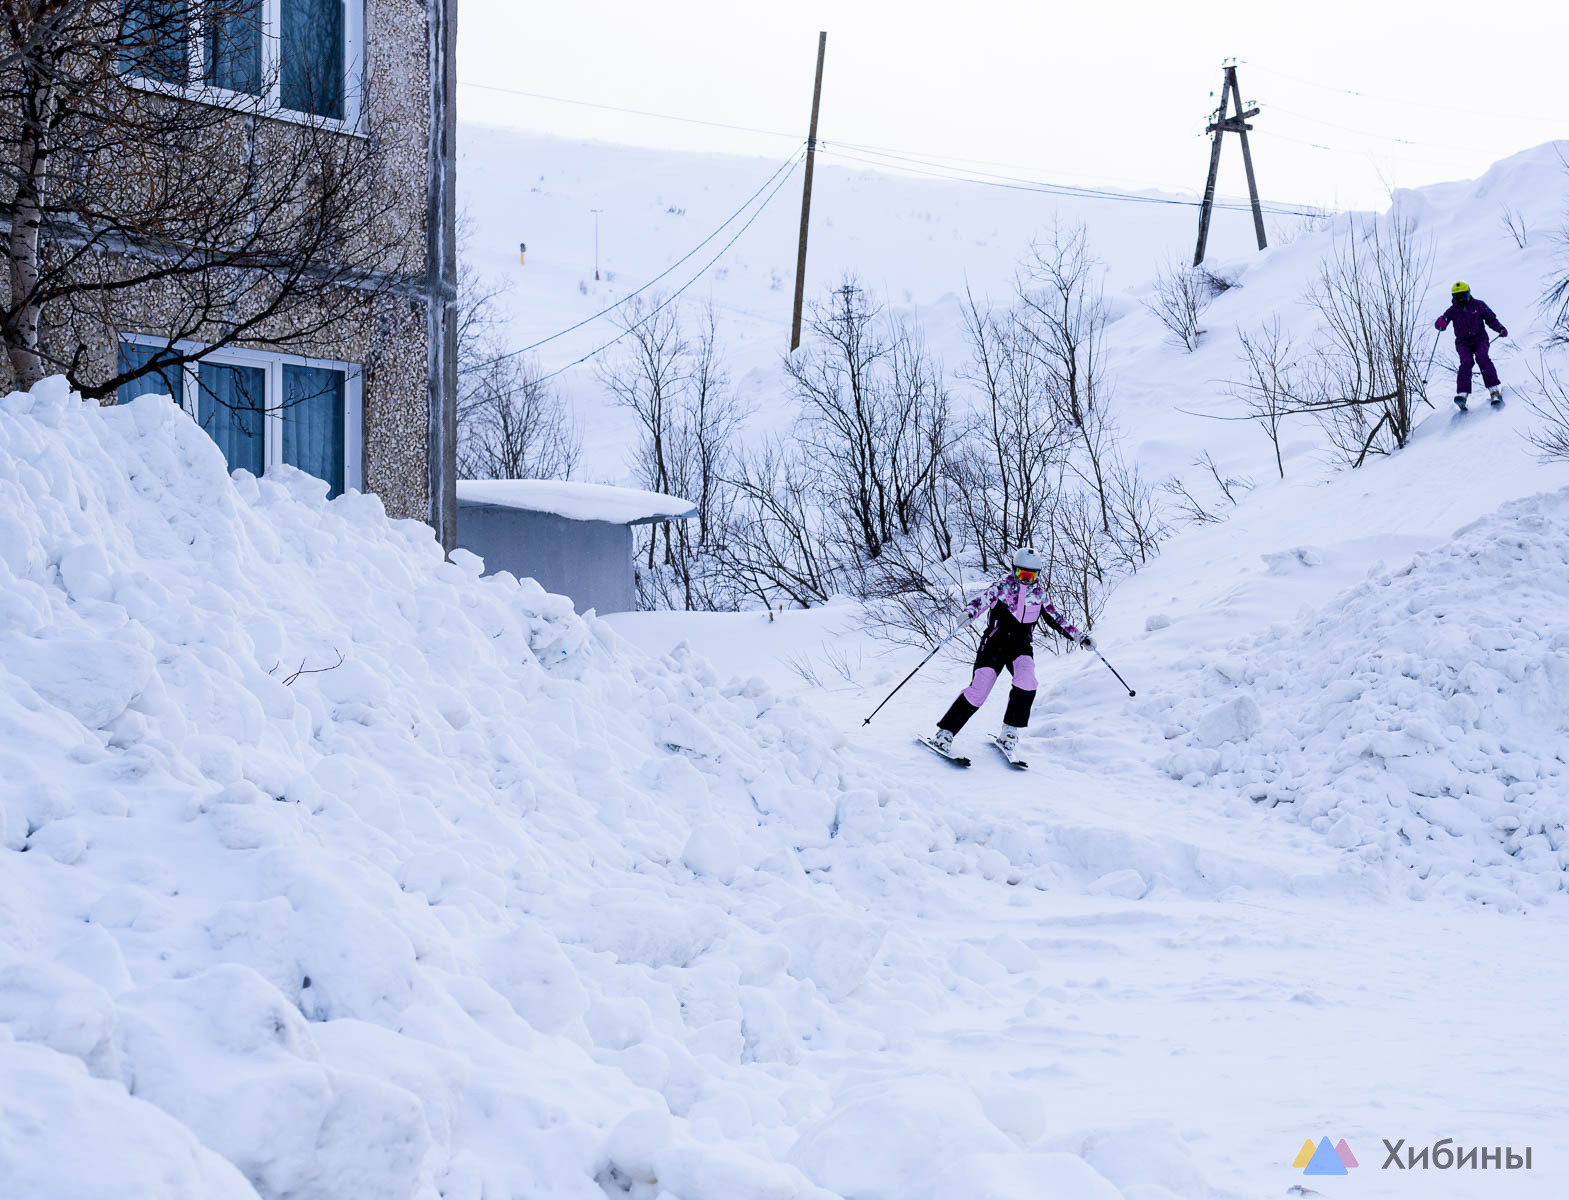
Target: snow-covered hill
329	869
917	244
332	870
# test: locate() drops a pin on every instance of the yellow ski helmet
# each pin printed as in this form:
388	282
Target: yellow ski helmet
1462	286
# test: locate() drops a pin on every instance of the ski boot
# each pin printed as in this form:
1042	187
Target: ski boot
1495	396
1008	739
1460	400
943	740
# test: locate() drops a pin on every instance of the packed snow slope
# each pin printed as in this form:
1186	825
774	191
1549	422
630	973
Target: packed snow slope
333	870
1410	716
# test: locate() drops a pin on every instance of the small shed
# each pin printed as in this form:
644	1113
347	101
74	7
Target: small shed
574	538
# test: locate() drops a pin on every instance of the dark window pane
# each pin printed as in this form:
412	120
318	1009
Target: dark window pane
230	408
313	423
313	57
165	381
155	39
231	45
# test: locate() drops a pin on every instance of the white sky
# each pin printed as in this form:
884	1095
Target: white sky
1110	93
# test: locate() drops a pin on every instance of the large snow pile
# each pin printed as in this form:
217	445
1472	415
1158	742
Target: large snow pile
331	870
1423	717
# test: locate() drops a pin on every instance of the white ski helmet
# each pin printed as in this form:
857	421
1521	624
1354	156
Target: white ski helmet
1025	558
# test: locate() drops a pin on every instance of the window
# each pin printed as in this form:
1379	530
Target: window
302	56
313	49
155	40
263	410
232	45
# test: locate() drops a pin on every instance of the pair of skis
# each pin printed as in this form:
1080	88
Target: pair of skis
959	760
1496	400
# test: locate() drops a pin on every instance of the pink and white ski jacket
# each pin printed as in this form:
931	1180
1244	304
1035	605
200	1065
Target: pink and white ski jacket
1025	602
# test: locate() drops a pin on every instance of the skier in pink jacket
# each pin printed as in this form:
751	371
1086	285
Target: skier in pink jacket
1015	603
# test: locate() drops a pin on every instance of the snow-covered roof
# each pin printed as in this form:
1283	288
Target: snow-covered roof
576	501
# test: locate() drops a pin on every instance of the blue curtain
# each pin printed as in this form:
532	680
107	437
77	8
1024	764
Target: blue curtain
155	39
165	381
231	45
230	408
314	57
313	420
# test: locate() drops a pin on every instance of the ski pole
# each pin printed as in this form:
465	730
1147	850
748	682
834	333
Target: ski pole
1113	670
918	666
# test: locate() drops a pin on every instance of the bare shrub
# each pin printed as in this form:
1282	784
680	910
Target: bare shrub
1272	388
679	392
874	419
1551	404
1194	510
773	548
1182	293
511	424
1555	300
1006	467
1514	225
1285	230
1371	367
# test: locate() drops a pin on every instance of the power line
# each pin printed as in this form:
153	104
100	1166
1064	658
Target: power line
1384	137
881	151
1013	183
670	299
745	204
636	112
1457	108
1355	151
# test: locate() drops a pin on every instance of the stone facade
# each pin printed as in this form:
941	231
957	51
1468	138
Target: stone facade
396	335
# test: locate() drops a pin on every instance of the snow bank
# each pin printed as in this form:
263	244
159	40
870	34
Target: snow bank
1421	718
331	870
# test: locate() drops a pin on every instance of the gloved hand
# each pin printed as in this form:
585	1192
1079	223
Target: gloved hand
1087	642
1503	333
1440	324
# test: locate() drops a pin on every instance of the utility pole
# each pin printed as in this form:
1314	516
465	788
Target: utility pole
806	196
596	212
1219	126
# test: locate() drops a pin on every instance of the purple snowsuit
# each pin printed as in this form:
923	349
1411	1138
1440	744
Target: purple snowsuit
1472	320
1008	642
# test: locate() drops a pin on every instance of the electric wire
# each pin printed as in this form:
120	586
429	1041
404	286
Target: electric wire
990	179
636	112
880	151
1455	108
675	295
1383	137
783	167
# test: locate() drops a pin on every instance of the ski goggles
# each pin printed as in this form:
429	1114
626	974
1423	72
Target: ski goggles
1024	574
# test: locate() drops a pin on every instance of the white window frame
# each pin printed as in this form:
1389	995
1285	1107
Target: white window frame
271	103
272	406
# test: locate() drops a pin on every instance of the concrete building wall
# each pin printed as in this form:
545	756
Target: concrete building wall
390	336
590	561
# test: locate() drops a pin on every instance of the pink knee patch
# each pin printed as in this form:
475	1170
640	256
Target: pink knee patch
981	686
1024	673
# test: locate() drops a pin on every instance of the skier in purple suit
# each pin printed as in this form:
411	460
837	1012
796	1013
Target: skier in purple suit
1015	603
1472	319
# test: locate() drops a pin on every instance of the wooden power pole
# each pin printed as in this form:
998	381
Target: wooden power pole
1221	125
806	196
